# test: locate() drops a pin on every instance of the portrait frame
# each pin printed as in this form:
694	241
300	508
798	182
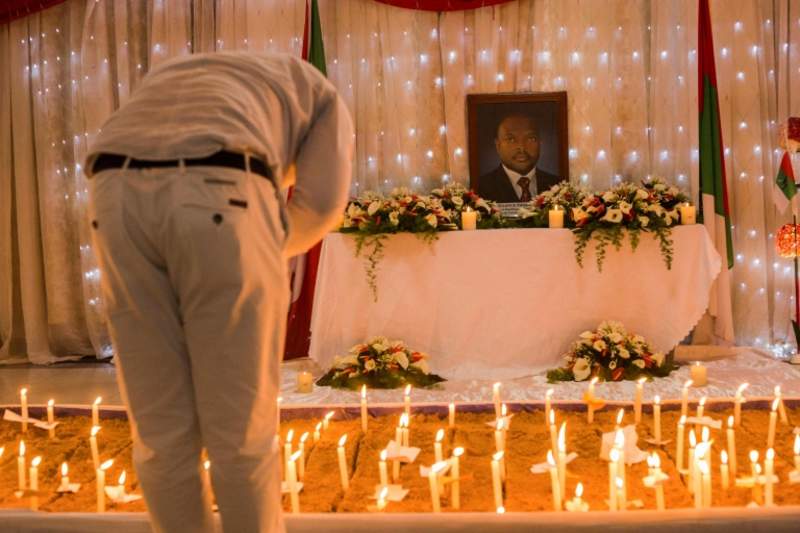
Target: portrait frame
484	112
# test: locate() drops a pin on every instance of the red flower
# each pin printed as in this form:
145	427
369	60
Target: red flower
616	374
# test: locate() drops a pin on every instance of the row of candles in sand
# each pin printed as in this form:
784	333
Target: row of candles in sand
23	398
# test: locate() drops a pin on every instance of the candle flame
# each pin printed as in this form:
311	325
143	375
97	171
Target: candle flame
329	415
550	460
318	427
452	406
703	401
730	421
723	457
620	415
98	400
758	469
770	454
552	418
496	388
439	435
682	420
775	403
122	478
704	435
688	384
753	456
692	439
656	460
458	452
641	381
289	436
2	450
497	456
22	448
614	455
295	456
618	482
549	393
503	410
51	402
579	490
303	437
383	455
23	392
408	390
342	440
363	392
657	399
501	510
562	437
64	469
700	450
95	430
404	420
741	388
796	445
594	380
107	464
778	391
36	461
206	465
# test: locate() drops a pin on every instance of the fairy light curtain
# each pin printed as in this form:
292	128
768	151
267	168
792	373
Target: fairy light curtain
629	67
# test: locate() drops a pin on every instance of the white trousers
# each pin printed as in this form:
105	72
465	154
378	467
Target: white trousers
195	290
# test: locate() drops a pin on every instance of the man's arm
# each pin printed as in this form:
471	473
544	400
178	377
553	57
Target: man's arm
323	165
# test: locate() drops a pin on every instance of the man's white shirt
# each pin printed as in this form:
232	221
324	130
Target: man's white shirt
514	178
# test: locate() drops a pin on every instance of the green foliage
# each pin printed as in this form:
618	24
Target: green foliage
380	380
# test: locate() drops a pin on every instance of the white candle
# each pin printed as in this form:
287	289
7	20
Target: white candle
739	400
101	485
96	411
433	482
343	463
657	418
497	486
305	382
547	407
797	452
619	444
455	470
555	483
781	408
773	420
706	475
291	479
685	398
562	459
364	408
287	451
451	419
381	505
699	374
757	488
384	476
317	430
437	446
754	468
51	417
612	479
23	399
499	441
407	400
301	462
769	469
64	476
701	407
622	499
731	446
576	504
326	420
723	470
590	400
637	406
688	213
656	462
21	477
34	473
121	483
705	434
469	220
496	399
398	438
404	430
553	432
207	474
620	416
556	217
692	463
679	442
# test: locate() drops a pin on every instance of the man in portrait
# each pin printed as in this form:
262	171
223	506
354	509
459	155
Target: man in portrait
518	145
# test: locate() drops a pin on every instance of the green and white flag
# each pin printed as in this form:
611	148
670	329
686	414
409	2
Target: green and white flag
785	186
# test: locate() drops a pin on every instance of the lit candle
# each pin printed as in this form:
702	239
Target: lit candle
656	465
679	442
692	463
773	420
287	451
657	418
619	444
699	374
51	417
34	473
555	483
451	419
398	438
364	408
121	483
705	434
499	440
622	500
382	469
781	408
562	459
343	463
556	217
612	479
326	420
301	462
317	429
496	482
23	399
305	382
685	398
553	432
496	399
455	471
437	446
701	407
732	446
381	505
576	504
64	476
705	471
620	416
739	400
21	478
688	213
723	469
547	407
797	452
407	400
590	399
291	479
207	474
96	411
637	406
754	470
469	219
769	469
404	430
101	485
433	482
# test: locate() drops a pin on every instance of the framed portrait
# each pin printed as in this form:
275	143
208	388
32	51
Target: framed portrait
518	144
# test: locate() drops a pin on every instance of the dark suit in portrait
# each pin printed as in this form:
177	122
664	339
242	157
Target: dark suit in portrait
496	185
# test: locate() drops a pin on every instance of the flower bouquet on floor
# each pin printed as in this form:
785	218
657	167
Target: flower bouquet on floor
563	195
380	364
611	354
457	198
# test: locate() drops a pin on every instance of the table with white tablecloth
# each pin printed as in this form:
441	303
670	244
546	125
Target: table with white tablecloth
506	303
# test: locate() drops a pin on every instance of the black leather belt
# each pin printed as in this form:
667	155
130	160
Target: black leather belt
219	159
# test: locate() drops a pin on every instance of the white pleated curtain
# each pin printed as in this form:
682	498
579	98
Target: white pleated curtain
629	67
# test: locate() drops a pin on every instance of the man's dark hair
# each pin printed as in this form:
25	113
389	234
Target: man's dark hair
509	114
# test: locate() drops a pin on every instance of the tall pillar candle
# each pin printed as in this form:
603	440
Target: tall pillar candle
469	220
555	217
699	374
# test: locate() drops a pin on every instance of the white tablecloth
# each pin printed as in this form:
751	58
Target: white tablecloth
506	302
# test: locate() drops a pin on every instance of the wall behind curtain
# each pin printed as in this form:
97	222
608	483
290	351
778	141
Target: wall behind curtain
629	67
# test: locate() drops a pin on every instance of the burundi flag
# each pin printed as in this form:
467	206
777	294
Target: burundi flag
785	184
714	207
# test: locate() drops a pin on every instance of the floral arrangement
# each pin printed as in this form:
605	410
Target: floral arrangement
611	354
380	364
563	195
457	198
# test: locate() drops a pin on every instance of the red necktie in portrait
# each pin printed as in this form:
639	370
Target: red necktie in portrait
525	183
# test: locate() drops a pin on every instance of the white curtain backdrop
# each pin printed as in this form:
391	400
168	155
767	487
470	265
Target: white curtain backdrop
629	67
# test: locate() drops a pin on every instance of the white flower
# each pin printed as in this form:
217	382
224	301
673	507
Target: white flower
347	223
639	363
345	361
661	187
609	196
369	366
373	208
625	207
379	346
582	369
578	214
431	220
587	335
615	337
642	194
402	359
394	218
613	215
644	221
458	201
624	353
422	364
438	192
658	357
599	345
612	365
